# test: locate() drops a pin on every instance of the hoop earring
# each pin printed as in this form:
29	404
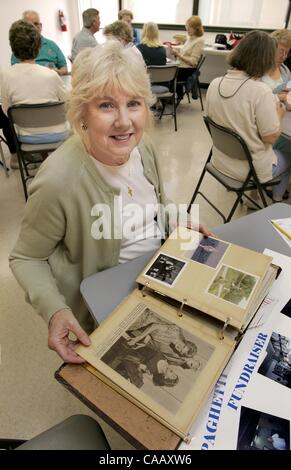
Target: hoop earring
84	127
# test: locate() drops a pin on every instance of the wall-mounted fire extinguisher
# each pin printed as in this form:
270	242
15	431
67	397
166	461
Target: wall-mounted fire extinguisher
62	21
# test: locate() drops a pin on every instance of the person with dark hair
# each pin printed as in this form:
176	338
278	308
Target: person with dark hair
27	82
86	38
49	54
240	101
127	17
189	54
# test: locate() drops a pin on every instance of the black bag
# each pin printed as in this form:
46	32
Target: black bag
192	86
221	39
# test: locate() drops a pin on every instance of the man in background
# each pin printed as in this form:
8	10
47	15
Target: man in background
85	38
50	55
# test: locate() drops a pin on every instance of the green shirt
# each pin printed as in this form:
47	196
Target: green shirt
49	53
55	250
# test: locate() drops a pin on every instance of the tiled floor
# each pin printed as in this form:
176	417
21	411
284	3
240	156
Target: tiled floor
30	398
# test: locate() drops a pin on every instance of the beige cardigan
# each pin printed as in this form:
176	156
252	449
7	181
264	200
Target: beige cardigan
192	49
55	250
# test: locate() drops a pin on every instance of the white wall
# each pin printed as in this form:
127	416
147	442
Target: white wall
11	10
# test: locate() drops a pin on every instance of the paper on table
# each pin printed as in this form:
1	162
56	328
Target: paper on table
285	224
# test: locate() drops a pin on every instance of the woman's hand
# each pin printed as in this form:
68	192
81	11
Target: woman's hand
174	52
61	324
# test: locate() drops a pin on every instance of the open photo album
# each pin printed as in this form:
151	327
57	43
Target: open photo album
166	344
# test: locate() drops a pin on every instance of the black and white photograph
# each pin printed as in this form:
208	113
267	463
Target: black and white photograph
233	286
209	252
160	358
277	363
286	310
166	269
262	431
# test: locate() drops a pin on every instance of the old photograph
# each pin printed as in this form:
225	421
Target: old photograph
233	286
286	310
277	363
209	252
262	431
166	269
160	358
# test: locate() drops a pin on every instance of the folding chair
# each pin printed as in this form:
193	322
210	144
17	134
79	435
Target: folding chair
233	145
34	116
78	432
167	75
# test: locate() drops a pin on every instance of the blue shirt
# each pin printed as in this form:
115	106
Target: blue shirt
49	53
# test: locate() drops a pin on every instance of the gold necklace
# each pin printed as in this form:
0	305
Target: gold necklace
129	188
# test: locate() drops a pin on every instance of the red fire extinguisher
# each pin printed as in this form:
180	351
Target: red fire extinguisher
62	20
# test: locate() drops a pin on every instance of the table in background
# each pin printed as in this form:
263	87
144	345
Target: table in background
103	291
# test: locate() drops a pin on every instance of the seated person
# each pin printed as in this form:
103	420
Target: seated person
109	155
127	17
153	52
190	53
86	38
30	83
278	77
49	55
122	32
241	102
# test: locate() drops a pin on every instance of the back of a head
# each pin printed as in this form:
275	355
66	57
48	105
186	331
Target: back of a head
28	14
120	30
150	35
123	13
103	70
255	54
282	36
89	16
195	22
24	40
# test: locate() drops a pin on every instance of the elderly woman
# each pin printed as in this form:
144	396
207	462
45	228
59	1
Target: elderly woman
122	32
79	217
240	101
152	50
127	17
278	77
190	53
28	82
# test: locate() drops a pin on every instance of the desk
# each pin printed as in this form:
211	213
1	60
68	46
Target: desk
286	125
253	231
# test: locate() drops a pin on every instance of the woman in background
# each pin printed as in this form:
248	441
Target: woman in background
29	83
240	101
121	31
190	53
152	50
127	17
278	77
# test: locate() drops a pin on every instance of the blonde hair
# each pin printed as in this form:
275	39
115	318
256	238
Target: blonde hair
120	30
103	70
150	35
195	22
283	36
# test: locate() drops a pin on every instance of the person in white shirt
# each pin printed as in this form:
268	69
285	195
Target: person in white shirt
240	101
190	53
86	38
279	443
29	83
